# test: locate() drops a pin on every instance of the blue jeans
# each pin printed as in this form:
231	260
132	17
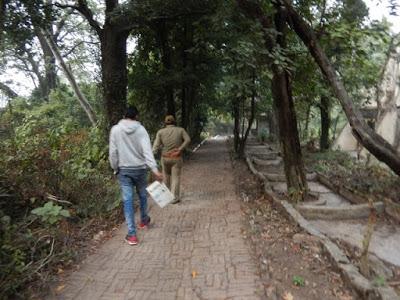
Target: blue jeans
128	179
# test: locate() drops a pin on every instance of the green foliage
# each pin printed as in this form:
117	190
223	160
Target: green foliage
325	160
13	256
356	50
342	169
52	155
50	213
380	281
262	135
176	61
209	59
298	280
218	124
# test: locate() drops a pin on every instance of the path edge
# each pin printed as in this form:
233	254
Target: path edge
199	145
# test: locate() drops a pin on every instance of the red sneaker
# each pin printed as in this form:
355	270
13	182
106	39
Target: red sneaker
131	240
144	225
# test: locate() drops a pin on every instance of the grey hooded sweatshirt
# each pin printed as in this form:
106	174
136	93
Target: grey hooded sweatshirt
130	147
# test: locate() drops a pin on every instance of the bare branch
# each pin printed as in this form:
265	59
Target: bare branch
54	198
81	97
72	49
60	25
85	11
8	91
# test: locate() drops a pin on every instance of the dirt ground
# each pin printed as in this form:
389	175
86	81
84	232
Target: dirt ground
293	265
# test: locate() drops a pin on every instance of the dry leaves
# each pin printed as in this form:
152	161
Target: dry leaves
288	296
59	288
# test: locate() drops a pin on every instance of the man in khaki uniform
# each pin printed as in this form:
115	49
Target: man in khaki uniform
172	139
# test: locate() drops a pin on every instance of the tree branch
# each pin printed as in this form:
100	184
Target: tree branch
8	91
85	11
72	49
372	141
126	21
81	98
60	25
254	11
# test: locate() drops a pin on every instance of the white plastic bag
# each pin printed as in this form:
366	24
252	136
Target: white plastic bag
160	193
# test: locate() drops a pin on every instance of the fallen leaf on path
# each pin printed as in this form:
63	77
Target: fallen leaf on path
59	288
194	274
288	296
296	248
346	297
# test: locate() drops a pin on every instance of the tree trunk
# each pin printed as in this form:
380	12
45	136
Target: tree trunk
325	123
372	141
162	31
50	77
189	82
187	42
114	72
9	92
283	101
2	15
183	107
82	99
251	120
236	127
272	125
288	132
336	121
307	122
191	108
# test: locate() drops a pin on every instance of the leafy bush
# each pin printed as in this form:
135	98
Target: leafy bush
373	180
50	213
52	156
13	256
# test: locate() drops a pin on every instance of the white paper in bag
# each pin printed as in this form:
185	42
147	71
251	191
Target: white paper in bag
160	193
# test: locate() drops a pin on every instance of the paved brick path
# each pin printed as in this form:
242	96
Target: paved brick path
194	250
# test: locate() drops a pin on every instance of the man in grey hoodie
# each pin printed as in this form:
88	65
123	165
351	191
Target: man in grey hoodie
130	156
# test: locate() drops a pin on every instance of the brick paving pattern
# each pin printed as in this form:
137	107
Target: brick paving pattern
194	250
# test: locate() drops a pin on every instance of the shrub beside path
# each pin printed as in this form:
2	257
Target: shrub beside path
194	250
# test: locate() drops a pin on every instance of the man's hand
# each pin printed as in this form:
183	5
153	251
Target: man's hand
158	176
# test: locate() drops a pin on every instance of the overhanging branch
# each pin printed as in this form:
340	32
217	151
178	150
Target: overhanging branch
372	141
8	91
85	11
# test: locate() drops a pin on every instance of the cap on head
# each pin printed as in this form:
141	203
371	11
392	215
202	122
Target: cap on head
131	112
169	120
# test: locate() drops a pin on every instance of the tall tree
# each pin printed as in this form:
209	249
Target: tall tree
174	66
81	98
25	43
113	33
274	34
372	141
324	107
119	20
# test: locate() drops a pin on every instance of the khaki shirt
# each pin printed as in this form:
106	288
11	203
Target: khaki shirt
171	137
